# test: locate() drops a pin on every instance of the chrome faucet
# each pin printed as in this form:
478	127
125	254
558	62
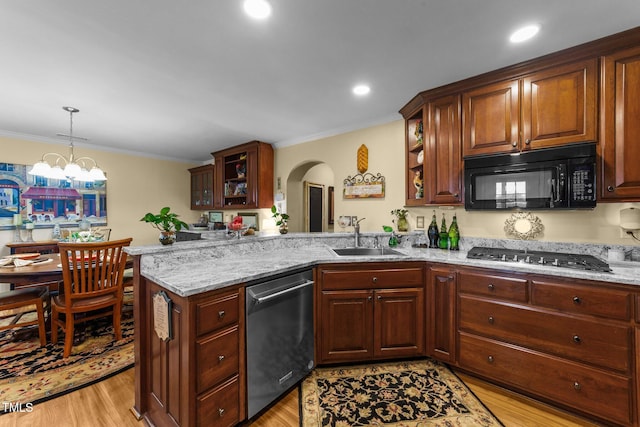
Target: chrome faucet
356	232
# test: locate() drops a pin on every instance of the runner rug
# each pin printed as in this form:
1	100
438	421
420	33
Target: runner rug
408	394
30	374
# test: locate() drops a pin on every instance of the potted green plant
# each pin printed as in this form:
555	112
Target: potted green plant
167	222
401	217
282	220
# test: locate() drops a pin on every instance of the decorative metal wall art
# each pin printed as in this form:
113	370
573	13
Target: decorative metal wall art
523	226
364	185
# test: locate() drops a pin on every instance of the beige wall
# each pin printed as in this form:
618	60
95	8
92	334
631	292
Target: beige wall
386	156
135	186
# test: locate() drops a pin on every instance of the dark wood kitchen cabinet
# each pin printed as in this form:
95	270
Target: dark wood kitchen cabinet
620	130
197	376
550	107
202	187
244	176
441	303
565	341
369	311
433	155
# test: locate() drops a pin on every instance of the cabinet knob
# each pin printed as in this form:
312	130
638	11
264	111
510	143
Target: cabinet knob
220	358
491	287
576	385
514	144
577	339
456	196
369	298
221	314
527	141
221	411
610	188
379	297
375	279
490	359
491	320
577	300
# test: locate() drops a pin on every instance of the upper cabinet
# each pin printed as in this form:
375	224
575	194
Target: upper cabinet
202	187
620	130
554	106
415	157
433	156
244	176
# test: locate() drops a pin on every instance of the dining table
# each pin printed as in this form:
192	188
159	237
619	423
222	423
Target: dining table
47	272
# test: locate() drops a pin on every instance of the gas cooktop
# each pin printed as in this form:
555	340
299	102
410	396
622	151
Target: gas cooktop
554	259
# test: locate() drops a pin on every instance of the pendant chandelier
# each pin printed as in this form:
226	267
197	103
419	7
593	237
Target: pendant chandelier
68	168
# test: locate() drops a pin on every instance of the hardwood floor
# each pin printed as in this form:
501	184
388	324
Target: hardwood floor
108	403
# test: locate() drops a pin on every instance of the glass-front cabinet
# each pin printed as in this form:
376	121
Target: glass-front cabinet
244	176
202	187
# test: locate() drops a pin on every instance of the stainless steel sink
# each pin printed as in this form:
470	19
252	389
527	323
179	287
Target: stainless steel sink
366	252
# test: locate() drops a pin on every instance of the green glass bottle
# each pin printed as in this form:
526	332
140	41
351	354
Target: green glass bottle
454	235
444	236
432	232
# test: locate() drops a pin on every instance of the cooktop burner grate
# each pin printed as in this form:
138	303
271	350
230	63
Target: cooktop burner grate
555	259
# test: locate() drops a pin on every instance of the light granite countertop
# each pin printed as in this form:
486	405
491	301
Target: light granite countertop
189	268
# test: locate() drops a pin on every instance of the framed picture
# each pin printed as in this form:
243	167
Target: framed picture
249	219
216	216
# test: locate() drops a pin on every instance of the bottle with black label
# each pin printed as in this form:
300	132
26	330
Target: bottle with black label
432	232
454	235
444	236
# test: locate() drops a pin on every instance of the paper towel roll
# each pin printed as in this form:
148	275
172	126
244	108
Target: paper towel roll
630	219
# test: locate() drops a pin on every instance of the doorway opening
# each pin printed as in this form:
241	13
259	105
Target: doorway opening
309	197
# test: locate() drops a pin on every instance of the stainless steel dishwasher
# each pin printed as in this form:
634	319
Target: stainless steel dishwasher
279	337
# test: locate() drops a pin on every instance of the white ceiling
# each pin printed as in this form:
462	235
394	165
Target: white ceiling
180	79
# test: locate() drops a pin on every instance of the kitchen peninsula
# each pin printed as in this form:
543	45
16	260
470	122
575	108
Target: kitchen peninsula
532	308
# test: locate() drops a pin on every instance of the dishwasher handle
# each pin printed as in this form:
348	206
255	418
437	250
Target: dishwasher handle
260	300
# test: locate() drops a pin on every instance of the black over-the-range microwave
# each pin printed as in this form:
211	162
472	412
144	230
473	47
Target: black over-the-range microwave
547	178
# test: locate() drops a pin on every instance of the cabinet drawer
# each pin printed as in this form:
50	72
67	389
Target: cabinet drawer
586	389
604	344
371	278
507	288
217	313
220	406
583	299
216	358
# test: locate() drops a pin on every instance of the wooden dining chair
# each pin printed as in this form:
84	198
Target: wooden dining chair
11	303
92	274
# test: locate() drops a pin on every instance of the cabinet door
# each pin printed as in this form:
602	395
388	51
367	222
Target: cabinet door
202	187
399	323
490	116
620	147
441	330
346	326
559	105
444	159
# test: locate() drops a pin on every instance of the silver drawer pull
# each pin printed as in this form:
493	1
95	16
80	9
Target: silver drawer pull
576	385
490	359
374	280
221	411
577	339
220	358
221	314
491	320
577	300
491	287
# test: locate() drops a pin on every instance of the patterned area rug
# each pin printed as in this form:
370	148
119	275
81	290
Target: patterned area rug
32	374
400	394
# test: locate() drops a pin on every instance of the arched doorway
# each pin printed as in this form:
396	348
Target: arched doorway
307	181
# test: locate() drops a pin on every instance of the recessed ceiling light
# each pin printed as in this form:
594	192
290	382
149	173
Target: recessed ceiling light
524	33
258	9
361	90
